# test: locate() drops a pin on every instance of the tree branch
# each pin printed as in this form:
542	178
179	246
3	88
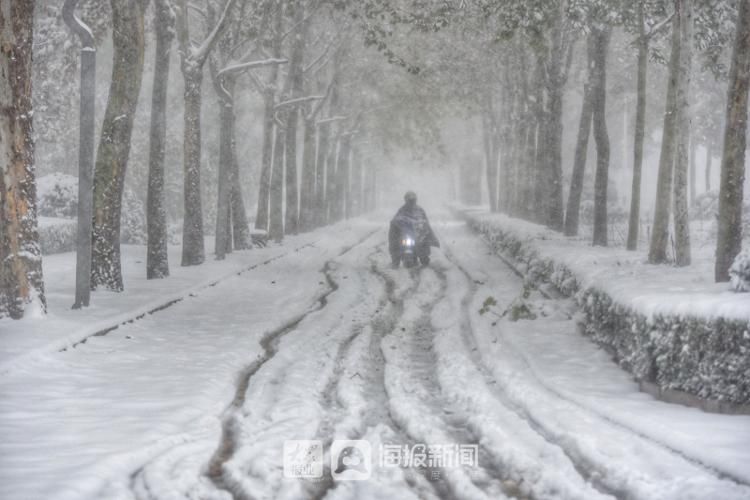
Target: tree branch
299	100
243	66
200	54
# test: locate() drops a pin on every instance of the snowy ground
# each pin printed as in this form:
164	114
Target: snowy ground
626	275
320	340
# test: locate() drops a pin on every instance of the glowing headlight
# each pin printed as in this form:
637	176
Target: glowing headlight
407	242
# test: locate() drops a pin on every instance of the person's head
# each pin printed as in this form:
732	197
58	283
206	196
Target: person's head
410	198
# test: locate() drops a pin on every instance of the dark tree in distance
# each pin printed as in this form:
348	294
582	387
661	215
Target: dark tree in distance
157	261
87	120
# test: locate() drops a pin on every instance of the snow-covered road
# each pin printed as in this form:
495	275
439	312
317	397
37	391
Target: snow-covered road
330	343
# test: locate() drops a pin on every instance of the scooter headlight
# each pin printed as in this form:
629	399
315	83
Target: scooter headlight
407	242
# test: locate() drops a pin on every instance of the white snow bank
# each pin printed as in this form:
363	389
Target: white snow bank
572	394
627	277
76	424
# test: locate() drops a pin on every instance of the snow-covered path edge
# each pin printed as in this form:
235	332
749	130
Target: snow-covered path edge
103	327
190	426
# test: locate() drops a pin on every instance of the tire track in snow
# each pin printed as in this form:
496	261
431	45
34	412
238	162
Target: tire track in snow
552	293
589	469
586	470
416	339
389	311
270	344
193	292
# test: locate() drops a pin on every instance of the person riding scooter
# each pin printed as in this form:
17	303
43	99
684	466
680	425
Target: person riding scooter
410	236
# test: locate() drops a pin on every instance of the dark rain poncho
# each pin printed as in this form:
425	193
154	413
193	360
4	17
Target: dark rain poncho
412	219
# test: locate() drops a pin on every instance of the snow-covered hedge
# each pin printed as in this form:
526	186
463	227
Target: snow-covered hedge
57	235
706	357
58	197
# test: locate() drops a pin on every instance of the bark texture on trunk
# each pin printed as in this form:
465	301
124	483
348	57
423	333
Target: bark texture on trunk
324	133
657	252
709	158
488	130
556	78
634	218
223	237
729	239
114	144
87	130
157	262
579	164
307	190
683	11
262	217
21	283
193	247
295	84
240	224
264	186
276	194
599	100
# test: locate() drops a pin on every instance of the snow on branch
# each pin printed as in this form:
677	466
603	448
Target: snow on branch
77	26
237	67
202	52
331	119
300	100
659	26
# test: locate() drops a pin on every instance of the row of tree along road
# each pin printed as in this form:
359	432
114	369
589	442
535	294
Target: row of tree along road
317	67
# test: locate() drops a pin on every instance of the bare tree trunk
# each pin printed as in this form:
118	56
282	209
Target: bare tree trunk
264	189
683	10
157	263
291	191
345	177
504	169
338	210
240	224
307	189
296	84
660	232
276	214
21	283
193	248
599	100
693	180
709	145
332	166
114	145
579	163
489	153
368	175
538	202
355	185
729	240
87	121
262	221
223	237
324	132
556	78
640	131
193	58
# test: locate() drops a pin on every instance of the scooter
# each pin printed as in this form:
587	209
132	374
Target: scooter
409	250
